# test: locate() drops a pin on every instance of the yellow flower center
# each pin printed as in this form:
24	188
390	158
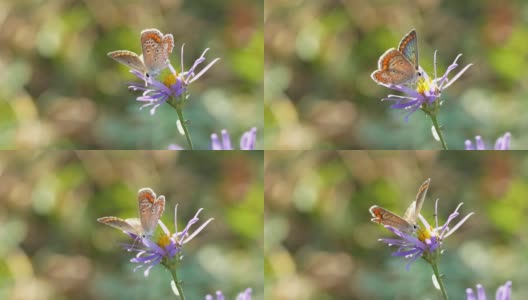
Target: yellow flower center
424	234
164	241
169	80
423	85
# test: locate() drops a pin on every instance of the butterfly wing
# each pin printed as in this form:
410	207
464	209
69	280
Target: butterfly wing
136	224
394	68
386	217
150	209
412	213
129	59
154	50
128	225
168	46
409	47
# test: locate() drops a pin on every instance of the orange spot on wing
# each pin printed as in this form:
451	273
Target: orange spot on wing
378	76
376	213
169	41
150	197
153	36
387	59
381	76
407	39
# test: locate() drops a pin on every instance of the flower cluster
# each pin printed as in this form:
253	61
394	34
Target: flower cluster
424	93
502	143
427	240
166	248
167	85
174	85
427	93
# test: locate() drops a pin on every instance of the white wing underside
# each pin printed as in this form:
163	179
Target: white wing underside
135	225
132	225
412	213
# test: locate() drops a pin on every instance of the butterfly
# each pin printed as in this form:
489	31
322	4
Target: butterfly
156	49
399	66
409	221
150	211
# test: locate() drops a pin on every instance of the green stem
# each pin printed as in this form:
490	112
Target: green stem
178	106
439	280
438	130
177	283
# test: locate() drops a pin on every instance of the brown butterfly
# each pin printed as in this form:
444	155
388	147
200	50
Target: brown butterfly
409	221
150	211
156	49
399	66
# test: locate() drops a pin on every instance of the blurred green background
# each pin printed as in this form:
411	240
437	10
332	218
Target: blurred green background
52	247
319	56
320	243
58	88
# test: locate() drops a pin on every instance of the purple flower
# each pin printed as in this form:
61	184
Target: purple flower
503	292
426	240
151	254
502	143
247	141
174	85
245	295
167	246
427	92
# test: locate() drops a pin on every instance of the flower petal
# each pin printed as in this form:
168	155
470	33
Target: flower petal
456	76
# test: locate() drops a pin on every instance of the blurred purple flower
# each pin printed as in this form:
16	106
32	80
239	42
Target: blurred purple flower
174	85
427	90
503	292
247	141
426	240
502	143
245	295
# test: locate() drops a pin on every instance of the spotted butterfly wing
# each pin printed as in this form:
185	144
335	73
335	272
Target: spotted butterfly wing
156	49
394	68
150	209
